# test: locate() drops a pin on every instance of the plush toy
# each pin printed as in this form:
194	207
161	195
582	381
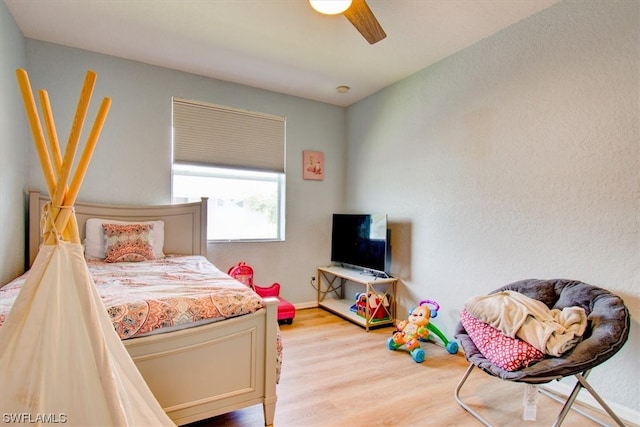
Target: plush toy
410	332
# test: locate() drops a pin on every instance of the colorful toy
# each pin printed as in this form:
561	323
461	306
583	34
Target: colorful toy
416	329
378	306
244	273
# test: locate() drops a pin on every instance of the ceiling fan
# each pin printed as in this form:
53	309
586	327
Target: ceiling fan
357	12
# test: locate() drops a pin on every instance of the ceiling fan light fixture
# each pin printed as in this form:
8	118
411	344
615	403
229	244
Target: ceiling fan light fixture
330	7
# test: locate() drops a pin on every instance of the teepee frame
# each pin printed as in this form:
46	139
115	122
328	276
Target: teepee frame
59	220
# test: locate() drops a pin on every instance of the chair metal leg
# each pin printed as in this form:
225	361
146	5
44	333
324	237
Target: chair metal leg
563	400
596	396
582	383
568	403
466	407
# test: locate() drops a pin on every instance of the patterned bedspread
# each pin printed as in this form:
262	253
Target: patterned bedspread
172	292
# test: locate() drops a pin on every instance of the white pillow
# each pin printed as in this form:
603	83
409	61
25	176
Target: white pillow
95	243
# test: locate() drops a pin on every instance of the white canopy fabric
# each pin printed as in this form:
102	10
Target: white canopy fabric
61	360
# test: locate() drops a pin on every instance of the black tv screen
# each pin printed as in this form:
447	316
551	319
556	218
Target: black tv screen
361	240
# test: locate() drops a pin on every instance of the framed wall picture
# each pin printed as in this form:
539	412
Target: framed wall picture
313	165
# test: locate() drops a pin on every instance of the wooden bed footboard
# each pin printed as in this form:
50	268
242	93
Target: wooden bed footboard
202	372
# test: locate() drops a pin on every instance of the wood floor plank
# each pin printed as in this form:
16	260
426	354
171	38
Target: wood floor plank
335	374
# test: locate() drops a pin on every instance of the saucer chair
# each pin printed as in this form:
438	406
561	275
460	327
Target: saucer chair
244	273
607	331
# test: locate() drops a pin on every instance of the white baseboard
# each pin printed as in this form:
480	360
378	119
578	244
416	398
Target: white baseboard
584	397
303	305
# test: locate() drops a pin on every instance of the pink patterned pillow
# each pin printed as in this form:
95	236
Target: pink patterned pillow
128	242
508	353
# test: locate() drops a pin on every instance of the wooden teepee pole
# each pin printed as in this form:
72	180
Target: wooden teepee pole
81	169
54	148
61	217
54	145
74	138
36	130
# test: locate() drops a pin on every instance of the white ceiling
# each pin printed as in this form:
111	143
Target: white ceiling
279	45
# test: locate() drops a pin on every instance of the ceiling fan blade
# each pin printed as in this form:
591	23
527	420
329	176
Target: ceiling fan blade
365	21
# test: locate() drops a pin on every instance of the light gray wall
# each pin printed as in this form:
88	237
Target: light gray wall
13	150
518	157
132	160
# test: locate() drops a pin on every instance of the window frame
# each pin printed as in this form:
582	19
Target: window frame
181	169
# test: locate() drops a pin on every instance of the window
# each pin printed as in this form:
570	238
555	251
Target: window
236	159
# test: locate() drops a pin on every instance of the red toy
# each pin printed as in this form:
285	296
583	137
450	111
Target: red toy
244	273
378	306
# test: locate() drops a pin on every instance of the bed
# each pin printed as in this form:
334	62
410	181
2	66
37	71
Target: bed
202	371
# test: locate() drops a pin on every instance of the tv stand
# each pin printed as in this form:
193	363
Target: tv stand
332	282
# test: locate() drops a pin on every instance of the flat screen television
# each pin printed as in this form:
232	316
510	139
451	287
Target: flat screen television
361	241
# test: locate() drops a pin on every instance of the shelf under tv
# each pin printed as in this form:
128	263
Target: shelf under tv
332	282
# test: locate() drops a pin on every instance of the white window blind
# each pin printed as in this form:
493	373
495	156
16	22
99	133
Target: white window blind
215	135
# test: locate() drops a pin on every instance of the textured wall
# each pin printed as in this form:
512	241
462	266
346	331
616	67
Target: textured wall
13	149
518	157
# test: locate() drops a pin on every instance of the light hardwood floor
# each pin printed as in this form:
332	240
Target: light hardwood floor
335	374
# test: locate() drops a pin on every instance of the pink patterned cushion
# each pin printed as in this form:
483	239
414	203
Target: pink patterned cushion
508	353
128	242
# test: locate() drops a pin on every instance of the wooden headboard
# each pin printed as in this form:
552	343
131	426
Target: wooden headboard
185	225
